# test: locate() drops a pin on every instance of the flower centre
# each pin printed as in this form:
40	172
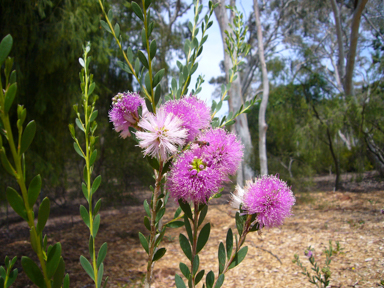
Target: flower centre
197	165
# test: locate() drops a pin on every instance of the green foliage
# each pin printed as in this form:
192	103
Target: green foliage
7	275
322	276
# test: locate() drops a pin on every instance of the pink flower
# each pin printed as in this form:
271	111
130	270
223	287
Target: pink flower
222	150
124	112
190	178
194	113
162	134
270	198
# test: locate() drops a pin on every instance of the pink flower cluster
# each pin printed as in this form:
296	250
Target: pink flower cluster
201	171
198	172
268	197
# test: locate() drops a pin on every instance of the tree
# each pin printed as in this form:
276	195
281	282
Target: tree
235	101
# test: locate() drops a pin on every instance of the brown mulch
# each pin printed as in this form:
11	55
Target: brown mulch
353	219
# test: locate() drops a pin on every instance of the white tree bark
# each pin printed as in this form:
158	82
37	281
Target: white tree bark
245	171
348	81
264	102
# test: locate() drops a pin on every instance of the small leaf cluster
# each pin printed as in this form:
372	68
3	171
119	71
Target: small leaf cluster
236	48
7	275
87	124
321	279
193	244
139	65
160	229
52	264
192	50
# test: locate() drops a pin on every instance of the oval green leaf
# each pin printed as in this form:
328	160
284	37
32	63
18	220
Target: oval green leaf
33	272
16	203
27	137
9	97
34	190
5	47
53	260
185	246
101	255
43	215
87	267
203	237
159	254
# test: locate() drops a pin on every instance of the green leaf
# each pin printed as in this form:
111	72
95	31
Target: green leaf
175	224
2	272
159	254
157	98
97	207
179	282
27	137
177	212
152	49
196	264
33	272
153	162
146	208
96	225
91	89
229	243
5	47
185	270
221	256
94	115
16	202
129	55
185	246
199	276
203	237
85	190
59	274
9	97
101	255
11	277
96	184
34	190
149	105
160	214
147	82
93	156
42	217
66	281
53	259
78	149
4	160
144	242
147	224
87	267
239	257
85	215
137	66
136	8
186	209
100	275
210	279
203	213
143	59
124	66
158	76
239	223
79	125
220	281
105	26
117	29
147	3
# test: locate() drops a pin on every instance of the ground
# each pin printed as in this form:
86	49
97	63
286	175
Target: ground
352	218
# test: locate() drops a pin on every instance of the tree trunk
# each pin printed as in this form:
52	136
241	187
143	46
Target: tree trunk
339	33
245	171
348	83
264	102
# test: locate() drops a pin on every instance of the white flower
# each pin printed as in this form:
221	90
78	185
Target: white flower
163	133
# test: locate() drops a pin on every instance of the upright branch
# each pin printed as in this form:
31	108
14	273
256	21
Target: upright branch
87	124
52	265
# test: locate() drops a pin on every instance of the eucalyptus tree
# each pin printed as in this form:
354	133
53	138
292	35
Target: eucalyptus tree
236	100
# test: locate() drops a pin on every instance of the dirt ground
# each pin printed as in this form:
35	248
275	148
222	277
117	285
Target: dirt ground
352	218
